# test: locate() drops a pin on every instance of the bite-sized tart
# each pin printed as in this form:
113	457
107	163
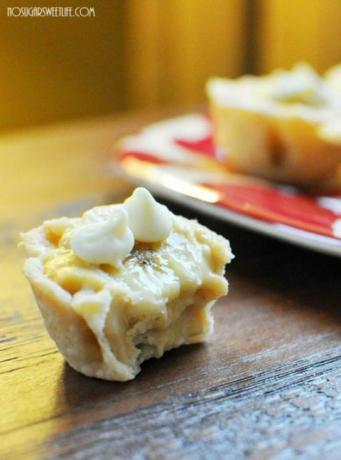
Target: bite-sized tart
124	283
284	126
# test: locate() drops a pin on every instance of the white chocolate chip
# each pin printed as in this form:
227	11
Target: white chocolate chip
104	242
149	220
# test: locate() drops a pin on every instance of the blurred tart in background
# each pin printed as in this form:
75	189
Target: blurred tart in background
285	126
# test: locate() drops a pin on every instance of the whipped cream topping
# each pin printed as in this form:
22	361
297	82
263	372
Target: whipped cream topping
104	242
300	86
107	234
149	220
301	92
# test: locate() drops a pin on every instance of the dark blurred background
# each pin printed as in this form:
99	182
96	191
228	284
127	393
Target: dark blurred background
144	54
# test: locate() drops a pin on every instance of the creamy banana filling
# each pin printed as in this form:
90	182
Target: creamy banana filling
141	279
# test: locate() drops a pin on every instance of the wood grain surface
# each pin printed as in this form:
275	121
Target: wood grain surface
266	386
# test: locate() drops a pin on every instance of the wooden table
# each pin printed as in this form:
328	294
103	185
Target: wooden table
268	385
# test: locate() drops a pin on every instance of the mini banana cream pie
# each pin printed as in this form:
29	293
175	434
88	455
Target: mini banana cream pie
284	126
125	283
